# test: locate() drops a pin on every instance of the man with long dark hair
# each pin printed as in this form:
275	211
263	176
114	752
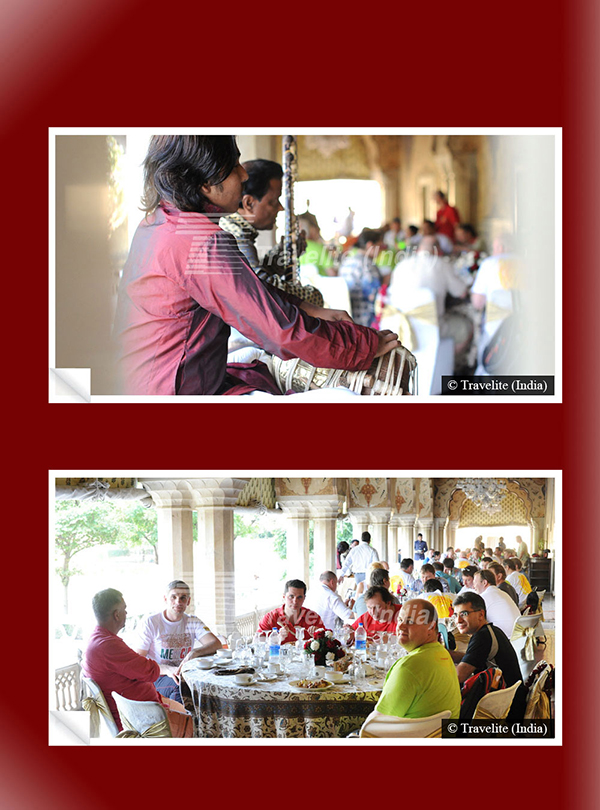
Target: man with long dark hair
185	283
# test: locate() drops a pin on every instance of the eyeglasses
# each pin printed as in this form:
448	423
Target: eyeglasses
464	613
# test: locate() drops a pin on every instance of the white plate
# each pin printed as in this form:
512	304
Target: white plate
310	689
268	677
250	683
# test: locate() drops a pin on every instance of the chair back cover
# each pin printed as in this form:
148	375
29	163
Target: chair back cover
142	718
496	705
95	703
386	726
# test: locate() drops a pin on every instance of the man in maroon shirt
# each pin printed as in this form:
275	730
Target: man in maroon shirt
381	612
117	668
186	283
447	217
291	614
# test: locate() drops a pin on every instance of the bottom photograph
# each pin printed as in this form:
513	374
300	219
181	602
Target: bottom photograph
201	607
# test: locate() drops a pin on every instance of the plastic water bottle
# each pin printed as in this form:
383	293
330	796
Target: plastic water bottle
274	645
360	642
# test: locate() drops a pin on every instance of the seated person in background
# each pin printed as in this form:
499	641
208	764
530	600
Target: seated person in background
450	555
485	561
327	603
442	571
488	646
442	602
518	580
117	668
168	638
499	572
463	559
424	682
362	586
488	553
381	612
428	572
379	577
291	614
500	608
258	211
467	577
362	276
412	237
407	580
497	555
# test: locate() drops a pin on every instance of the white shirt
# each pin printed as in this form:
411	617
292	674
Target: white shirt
169	642
464	589
514	580
359	559
432	272
500	609
328	604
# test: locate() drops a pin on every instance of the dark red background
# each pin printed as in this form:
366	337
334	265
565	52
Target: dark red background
131	63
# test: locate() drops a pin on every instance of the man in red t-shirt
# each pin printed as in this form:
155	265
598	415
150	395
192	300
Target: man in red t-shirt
117	668
381	612
291	614
447	217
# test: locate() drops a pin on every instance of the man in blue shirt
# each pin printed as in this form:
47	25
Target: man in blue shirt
444	571
420	549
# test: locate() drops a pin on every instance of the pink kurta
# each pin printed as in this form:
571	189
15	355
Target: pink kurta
184	284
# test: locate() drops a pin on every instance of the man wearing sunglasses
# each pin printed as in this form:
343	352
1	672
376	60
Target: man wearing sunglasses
488	645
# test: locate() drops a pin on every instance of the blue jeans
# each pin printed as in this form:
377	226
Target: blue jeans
168	688
360	577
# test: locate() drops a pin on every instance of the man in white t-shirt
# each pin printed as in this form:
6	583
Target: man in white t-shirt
499	607
168	638
359	559
330	606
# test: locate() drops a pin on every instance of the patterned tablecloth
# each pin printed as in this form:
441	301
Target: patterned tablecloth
221	708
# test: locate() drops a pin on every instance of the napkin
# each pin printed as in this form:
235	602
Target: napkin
236	671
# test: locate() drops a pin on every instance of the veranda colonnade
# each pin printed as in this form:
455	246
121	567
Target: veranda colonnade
208	565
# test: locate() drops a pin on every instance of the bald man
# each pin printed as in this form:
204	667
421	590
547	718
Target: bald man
424	682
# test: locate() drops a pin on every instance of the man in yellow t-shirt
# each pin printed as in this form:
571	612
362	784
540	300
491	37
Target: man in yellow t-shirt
442	602
424	682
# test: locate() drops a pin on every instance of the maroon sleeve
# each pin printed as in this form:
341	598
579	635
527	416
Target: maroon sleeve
125	661
227	287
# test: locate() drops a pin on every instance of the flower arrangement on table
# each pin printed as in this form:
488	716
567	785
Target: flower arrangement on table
402	594
324	647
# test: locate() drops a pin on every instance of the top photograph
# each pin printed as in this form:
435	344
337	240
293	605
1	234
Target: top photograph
307	265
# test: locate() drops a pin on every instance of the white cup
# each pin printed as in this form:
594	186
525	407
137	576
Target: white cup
205	663
225	653
275	668
319	672
335	676
243	678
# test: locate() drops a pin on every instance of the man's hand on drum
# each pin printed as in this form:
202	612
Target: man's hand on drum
325	314
388	340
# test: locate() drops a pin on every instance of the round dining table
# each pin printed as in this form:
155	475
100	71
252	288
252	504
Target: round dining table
274	708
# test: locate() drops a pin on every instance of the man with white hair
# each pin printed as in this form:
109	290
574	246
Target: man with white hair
325	601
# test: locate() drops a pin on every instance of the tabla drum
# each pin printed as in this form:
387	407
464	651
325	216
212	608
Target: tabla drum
391	375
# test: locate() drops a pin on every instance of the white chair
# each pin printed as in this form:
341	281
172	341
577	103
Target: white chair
142	718
333	289
435	356
383	725
525	630
95	703
496	705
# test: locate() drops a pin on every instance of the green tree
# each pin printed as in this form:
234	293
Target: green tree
137	525
78	527
345	531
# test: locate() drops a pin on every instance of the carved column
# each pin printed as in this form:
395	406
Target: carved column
406	535
325	540
215	499
438	535
174	502
297	516
451	528
360	521
393	540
